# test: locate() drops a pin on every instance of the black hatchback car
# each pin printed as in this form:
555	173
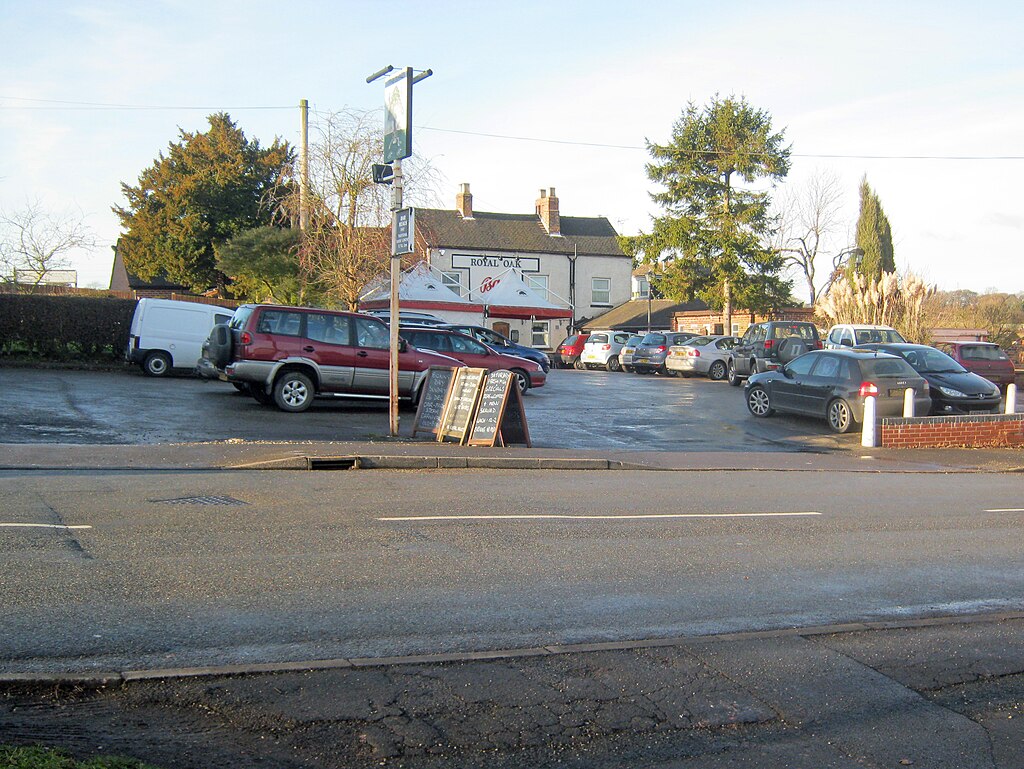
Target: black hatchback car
954	389
834	383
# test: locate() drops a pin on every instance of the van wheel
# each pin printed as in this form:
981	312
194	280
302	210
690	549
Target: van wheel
293	392
613	364
157	364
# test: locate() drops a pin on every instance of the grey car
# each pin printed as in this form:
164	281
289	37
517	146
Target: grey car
650	354
834	384
626	353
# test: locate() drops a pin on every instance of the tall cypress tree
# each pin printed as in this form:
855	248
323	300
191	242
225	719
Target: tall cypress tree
874	235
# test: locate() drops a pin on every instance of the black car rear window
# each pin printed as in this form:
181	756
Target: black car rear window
881	368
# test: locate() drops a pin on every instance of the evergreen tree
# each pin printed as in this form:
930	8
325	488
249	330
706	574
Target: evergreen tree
263	265
209	187
715	232
874	236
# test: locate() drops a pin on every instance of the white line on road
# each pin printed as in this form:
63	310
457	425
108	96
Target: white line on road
40	526
1006	510
587	517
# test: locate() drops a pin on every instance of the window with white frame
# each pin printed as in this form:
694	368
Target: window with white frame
452	279
539	284
541	336
600	290
643	287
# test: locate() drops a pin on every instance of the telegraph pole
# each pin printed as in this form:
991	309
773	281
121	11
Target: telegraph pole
304	166
397	146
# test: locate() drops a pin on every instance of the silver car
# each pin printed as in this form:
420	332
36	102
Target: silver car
707	355
626	353
602	348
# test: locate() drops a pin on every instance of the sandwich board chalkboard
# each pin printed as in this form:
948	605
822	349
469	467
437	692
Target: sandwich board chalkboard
457	417
432	399
500	417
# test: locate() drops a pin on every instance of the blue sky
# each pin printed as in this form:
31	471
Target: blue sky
854	80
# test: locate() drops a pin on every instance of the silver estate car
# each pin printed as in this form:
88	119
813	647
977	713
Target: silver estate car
705	355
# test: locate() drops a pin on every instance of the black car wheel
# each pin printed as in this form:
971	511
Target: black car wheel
579	365
840	416
157	364
293	392
717	372
759	403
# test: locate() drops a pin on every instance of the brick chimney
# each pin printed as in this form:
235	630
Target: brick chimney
464	201
547	212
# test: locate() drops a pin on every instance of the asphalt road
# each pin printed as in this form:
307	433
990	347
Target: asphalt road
574	410
320	565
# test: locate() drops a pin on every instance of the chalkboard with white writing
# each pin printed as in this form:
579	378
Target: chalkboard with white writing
461	404
432	399
487	424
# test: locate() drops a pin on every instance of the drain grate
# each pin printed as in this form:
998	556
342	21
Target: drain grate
207	500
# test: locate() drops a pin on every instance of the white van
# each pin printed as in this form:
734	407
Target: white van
167	334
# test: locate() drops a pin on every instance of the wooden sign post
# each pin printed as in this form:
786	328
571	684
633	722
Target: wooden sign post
433	396
460	407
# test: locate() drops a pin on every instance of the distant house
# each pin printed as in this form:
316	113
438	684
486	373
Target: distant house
67	278
641	315
158	287
572	264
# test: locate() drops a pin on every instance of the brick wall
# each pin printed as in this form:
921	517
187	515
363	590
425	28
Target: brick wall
989	431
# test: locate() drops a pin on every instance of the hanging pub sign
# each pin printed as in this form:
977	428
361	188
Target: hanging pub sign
433	396
398	116
500	419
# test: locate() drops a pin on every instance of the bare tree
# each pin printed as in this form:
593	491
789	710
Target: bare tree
346	243
36	242
809	218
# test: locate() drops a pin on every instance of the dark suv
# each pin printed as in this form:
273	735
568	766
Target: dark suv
766	346
287	355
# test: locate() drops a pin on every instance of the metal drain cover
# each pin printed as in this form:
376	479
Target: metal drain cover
208	500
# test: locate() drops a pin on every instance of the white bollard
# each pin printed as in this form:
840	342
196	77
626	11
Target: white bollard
908	402
869	435
1011	399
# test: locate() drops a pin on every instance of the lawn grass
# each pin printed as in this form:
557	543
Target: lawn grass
13	757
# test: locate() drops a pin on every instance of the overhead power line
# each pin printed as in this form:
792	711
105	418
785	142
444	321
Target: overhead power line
103	105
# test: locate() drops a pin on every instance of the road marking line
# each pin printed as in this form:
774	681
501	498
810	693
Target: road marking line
40	526
588	517
1006	510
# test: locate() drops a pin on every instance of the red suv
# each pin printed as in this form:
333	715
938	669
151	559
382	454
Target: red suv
287	355
983	358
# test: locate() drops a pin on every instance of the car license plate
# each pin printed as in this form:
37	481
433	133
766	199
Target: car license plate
897	392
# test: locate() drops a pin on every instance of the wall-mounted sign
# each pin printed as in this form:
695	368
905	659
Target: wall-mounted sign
522	263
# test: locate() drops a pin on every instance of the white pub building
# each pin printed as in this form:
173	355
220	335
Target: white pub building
531	276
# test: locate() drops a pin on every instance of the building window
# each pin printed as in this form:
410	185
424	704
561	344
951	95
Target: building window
643	287
452	279
539	284
601	291
541	334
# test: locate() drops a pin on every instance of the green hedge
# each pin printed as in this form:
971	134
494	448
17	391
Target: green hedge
65	327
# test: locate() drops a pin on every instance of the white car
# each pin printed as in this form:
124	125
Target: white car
853	334
708	355
602	350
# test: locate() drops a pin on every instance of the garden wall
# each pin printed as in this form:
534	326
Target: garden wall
974	431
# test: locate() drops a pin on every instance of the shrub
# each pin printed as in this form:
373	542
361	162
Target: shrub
65	327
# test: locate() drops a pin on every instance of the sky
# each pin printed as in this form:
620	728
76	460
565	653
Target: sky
925	99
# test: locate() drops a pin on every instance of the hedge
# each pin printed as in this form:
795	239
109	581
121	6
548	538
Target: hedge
65	327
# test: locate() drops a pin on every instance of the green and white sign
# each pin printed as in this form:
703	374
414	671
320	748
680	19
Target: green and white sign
398	116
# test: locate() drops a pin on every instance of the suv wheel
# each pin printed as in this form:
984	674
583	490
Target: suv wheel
613	364
758	402
734	378
293	392
259	394
219	345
